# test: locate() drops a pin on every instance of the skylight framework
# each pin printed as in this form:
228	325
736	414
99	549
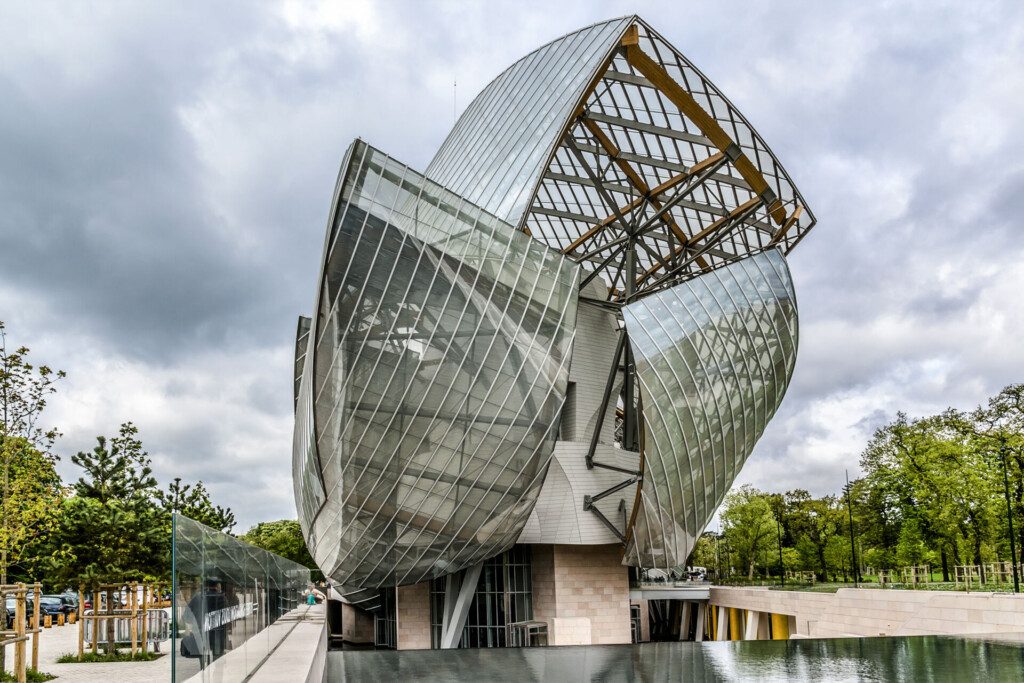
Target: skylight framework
658	178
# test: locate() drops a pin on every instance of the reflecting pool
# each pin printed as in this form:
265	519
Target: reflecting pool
918	658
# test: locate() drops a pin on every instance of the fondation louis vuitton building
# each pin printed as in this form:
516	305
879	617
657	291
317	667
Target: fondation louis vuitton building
536	366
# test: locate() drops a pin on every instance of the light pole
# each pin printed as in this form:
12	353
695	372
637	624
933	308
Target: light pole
782	567
1009	514
853	546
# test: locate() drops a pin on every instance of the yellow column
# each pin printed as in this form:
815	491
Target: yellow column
735	624
780	627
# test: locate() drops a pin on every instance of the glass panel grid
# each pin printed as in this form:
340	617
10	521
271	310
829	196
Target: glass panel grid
714	356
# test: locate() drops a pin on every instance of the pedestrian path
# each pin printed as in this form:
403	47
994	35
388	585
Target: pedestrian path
61	640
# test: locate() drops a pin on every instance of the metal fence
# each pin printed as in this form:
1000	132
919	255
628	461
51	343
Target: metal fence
157	627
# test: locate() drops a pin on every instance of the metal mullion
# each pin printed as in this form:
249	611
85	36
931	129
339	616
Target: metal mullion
659	411
437	370
454	281
712	354
332	303
750	337
462	403
600	268
335	222
574	58
542	470
487	549
723	352
537	279
793	340
716	238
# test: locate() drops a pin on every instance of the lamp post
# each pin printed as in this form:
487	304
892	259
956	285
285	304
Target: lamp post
782	567
1009	514
853	546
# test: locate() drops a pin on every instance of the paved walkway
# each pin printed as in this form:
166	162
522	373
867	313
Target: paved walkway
61	640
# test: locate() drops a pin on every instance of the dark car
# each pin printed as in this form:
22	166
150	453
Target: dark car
52	605
70	602
12	607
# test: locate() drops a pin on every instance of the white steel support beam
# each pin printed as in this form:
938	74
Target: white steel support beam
455	616
702	612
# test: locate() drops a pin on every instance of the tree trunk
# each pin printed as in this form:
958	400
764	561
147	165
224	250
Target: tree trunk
111	647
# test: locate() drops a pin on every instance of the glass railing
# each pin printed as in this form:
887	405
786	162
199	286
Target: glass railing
229	600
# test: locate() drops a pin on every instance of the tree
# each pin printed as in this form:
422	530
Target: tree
813	523
24	389
193	501
111	530
748	525
284	538
28	511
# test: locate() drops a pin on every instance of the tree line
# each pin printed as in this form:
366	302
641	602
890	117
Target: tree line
942	490
113	524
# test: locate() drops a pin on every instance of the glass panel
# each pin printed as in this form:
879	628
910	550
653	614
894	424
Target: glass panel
438	374
228	599
495	154
714	356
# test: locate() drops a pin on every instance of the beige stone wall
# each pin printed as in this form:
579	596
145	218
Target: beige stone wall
542	577
582	592
882	612
413	616
356	624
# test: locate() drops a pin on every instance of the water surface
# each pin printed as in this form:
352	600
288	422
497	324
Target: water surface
915	658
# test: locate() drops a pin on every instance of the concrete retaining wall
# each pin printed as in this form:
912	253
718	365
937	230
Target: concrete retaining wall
881	612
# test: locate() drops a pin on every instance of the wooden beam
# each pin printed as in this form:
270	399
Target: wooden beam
711	229
634	178
790	222
684	101
721	222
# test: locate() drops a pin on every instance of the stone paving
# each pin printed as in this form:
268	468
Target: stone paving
61	640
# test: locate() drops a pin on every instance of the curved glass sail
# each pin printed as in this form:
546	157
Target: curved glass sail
496	152
439	367
714	356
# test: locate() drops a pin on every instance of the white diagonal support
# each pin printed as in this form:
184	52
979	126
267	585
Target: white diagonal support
455	615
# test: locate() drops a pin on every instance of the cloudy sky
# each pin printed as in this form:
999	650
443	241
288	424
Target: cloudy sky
166	173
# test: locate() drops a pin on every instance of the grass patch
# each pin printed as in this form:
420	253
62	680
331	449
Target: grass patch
88	657
32	676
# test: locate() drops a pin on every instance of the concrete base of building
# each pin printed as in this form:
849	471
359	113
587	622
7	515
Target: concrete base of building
861	612
581	592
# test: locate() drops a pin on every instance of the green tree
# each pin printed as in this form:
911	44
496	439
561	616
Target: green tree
24	390
111	529
748	525
28	511
813	523
284	538
193	501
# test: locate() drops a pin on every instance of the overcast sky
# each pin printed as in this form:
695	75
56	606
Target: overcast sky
166	173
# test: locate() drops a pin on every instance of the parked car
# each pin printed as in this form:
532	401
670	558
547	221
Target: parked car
52	605
12	608
70	602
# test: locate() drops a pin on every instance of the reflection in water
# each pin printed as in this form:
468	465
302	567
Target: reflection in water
919	658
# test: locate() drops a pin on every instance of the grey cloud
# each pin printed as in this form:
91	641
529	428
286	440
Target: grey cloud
167	171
